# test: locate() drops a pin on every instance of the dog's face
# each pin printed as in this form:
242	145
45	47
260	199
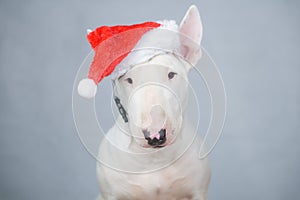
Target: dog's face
154	95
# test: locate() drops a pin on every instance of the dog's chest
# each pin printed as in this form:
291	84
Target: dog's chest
169	183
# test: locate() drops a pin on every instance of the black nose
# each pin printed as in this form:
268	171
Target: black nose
154	141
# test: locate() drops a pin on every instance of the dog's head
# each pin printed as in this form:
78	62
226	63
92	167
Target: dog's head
154	93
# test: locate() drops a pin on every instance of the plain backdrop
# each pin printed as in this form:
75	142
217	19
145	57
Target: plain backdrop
255	44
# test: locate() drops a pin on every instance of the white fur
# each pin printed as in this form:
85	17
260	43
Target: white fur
154	101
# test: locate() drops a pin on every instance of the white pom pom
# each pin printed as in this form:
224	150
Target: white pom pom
87	88
88	31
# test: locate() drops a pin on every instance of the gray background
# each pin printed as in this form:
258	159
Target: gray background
255	43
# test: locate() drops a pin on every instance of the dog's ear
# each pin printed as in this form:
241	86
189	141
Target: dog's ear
191	35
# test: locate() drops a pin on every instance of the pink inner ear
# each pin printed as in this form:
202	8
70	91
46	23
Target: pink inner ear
190	50
184	50
191	25
191	35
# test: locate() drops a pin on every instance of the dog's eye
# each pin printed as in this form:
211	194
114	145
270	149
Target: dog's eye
129	80
171	75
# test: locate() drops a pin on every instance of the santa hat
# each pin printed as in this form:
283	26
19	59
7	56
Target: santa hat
118	48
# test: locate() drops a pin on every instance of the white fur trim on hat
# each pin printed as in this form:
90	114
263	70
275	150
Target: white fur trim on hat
157	41
87	88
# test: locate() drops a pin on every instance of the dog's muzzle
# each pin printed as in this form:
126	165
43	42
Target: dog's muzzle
155	140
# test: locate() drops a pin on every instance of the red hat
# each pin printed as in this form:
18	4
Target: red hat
113	47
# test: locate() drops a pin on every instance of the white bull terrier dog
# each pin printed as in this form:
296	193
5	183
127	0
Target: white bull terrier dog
150	153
